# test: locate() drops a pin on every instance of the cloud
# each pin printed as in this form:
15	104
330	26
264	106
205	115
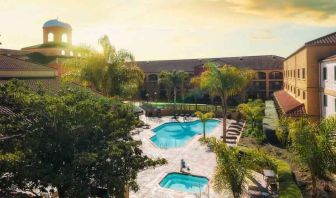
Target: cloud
304	10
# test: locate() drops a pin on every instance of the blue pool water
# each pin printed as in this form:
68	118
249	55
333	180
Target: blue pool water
186	183
177	134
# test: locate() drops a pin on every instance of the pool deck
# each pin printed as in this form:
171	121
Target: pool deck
200	161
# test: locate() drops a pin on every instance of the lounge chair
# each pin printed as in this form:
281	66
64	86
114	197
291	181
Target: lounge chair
146	126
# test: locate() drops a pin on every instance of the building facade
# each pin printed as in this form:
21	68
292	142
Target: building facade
268	68
301	94
328	86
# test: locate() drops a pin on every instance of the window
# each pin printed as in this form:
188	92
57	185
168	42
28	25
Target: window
304	95
50	37
334	72
294	73
71	53
324	73
298	73
291	73
63	53
303	73
64	38
335	104
325	100
298	92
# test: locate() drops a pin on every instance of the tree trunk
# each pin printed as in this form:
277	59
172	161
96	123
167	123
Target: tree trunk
175	99
314	192
224	112
195	100
204	130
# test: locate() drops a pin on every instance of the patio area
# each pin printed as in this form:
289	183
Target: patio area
200	161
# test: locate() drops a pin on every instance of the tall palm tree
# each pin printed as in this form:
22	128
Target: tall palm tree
173	80
204	117
232	170
224	82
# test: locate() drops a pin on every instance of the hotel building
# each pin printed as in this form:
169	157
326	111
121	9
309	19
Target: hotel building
302	85
268	68
328	86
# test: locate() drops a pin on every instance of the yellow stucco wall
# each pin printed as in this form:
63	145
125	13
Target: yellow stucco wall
308	58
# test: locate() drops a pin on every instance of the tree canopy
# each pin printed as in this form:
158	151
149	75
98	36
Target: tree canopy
112	72
72	141
224	82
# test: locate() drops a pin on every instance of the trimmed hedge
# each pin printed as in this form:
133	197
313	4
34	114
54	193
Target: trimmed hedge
287	185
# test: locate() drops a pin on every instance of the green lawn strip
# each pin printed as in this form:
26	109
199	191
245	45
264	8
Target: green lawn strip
287	186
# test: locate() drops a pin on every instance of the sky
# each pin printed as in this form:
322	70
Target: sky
175	29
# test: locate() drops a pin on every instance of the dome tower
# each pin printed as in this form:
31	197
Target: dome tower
57	32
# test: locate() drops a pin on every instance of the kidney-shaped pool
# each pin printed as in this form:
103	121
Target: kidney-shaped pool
177	134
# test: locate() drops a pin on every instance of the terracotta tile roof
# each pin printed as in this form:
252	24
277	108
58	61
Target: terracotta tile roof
327	39
14	64
253	62
286	102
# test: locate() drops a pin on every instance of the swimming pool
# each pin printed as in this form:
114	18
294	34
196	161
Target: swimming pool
177	134
185	183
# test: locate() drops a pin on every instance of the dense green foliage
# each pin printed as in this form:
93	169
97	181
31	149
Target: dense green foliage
314	147
282	131
261	160
254	112
204	117
224	82
113	72
70	141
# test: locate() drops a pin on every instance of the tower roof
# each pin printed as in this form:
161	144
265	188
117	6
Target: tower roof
56	23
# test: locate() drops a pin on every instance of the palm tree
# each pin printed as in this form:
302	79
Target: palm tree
204	117
224	82
113	72
314	146
173	80
253	111
232	170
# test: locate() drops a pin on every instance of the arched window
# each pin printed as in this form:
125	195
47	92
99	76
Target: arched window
63	53
71	53
79	55
50	37
64	38
276	75
152	77
260	75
